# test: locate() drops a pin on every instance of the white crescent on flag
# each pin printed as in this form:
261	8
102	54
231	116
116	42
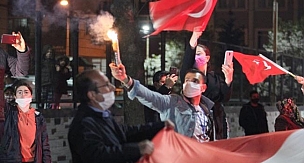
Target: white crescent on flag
258	68
204	11
177	15
275	147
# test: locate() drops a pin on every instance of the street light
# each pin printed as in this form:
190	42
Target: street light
64	2
38	31
72	41
275	34
146	30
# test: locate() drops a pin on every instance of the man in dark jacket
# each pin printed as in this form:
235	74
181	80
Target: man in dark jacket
94	136
253	117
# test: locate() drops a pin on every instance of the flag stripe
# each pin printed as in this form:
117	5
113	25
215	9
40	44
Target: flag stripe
276	147
292	151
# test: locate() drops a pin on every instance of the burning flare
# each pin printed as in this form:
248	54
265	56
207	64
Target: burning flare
113	36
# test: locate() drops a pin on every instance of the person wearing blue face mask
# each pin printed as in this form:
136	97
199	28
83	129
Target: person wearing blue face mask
190	112
218	90
94	136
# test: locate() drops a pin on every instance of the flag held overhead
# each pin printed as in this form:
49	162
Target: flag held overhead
177	15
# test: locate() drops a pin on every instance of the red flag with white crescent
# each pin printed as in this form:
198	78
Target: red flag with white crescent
258	68
176	15
275	147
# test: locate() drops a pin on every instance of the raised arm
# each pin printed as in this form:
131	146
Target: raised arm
19	66
151	99
189	57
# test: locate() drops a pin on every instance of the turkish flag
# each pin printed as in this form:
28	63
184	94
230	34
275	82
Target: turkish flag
275	147
176	15
258	68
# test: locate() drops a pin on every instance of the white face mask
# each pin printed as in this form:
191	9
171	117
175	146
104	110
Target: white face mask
23	102
109	99
191	89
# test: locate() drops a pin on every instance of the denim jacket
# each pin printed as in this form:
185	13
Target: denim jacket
173	107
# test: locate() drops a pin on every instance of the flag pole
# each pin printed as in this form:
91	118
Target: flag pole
278	66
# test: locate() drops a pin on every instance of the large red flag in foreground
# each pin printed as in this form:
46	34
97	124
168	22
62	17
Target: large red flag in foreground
258	68
176	15
276	147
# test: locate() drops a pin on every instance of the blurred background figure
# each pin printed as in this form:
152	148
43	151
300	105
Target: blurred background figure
8	88
163	82
9	94
253	117
289	117
62	74
47	76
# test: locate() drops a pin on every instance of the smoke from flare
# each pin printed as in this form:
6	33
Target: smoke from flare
99	28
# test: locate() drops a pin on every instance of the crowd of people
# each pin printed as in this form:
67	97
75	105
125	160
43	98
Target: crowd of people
197	112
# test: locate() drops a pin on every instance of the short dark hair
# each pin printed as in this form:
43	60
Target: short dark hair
20	83
193	70
253	92
158	75
84	84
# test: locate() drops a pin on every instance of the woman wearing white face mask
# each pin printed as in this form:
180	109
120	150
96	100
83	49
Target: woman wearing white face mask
218	90
25	136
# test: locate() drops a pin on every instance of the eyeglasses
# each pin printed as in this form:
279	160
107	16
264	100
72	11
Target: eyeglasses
105	85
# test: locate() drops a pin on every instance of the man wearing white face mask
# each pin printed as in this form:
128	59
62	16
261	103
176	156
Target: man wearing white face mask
94	136
189	113
25	137
218	90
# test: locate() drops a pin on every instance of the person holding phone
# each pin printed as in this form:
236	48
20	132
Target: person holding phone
163	81
218	90
17	66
